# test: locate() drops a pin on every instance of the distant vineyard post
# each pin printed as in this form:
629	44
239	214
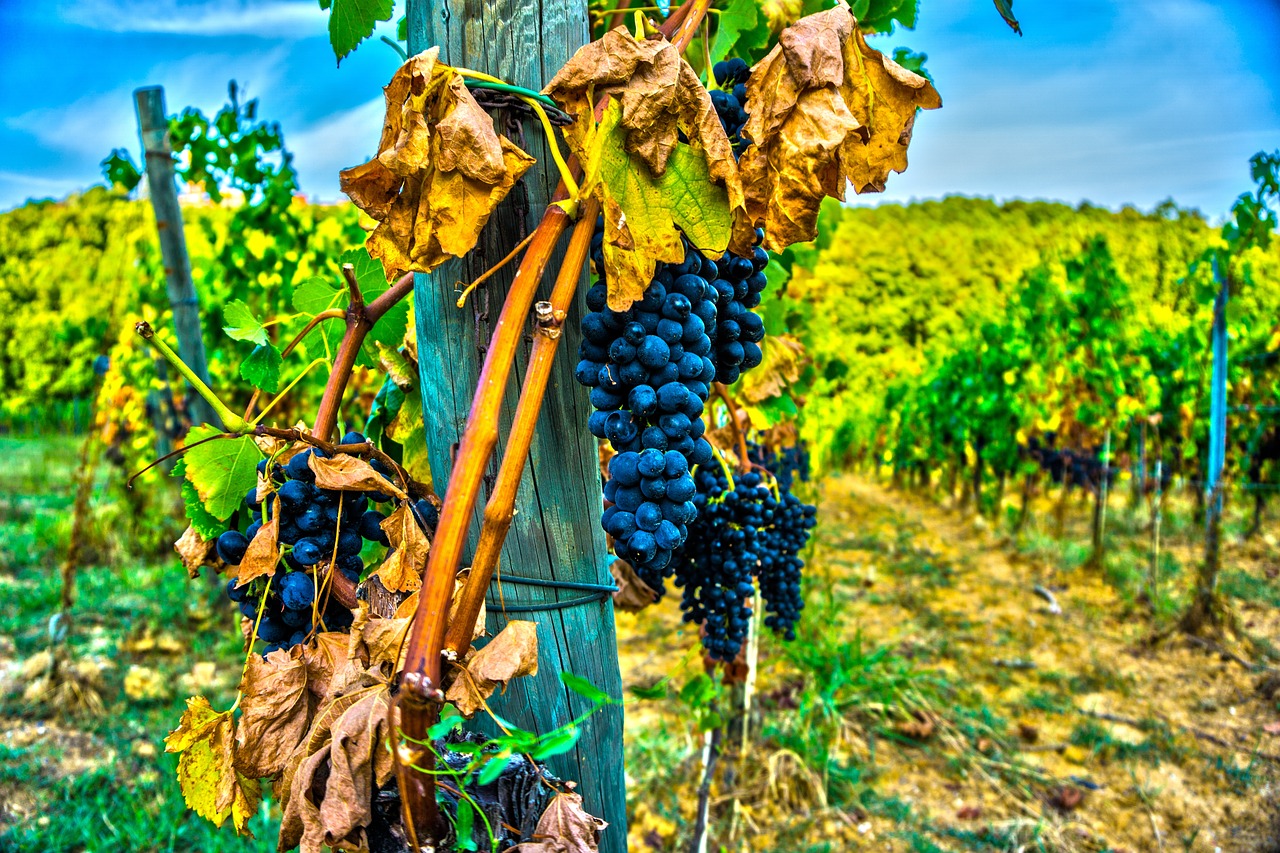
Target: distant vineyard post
556	535
153	128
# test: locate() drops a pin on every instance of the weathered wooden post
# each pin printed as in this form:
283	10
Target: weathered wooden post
153	127
555	536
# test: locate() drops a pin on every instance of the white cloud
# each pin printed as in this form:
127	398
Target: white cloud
277	19
337	142
94	124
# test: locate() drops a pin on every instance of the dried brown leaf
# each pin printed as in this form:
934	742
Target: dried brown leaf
440	171
275	712
330	795
784	358
633	594
345	473
264	551
510	654
823	109
325	655
565	827
196	553
407	558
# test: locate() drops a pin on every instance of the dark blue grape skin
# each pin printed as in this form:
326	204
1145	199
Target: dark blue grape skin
297	590
231	547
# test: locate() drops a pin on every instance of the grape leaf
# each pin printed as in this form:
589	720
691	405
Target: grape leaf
1005	8
742	30
222	470
241	324
196	551
210	785
441	169
352	21
262	368
204	522
827	110
585	689
275	712
565	826
317	294
263	553
391	326
120	170
345	473
880	15
511	654
659	157
402	570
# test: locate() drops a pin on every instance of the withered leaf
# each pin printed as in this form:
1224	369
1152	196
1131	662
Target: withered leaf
633	594
346	473
510	654
784	358
206	775
648	180
275	712
196	552
378	643
263	552
823	109
331	793
565	827
407	558
326	654
460	583
440	171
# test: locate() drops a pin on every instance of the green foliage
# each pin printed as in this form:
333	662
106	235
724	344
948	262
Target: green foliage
222	470
120	170
352	21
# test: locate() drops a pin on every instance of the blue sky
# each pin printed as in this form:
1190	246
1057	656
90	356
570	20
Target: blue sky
1126	102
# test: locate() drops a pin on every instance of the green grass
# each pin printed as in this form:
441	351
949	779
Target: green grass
101	782
1251	588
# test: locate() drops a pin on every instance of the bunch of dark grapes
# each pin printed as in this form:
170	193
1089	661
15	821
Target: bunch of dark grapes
715	566
779	546
730	100
738	330
786	464
649	372
317	526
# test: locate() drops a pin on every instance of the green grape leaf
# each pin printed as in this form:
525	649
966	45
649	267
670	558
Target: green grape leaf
880	15
742	31
585	689
204	523
352	21
464	821
390	328
262	368
557	742
120	170
657	691
698	691
493	768
222	470
913	62
317	294
242	325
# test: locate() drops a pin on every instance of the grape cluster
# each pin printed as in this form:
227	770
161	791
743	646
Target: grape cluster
649	372
318	526
730	100
786	464
715	566
738	330
779	547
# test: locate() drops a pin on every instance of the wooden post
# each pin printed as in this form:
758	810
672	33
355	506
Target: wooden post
153	127
556	533
1100	505
1154	594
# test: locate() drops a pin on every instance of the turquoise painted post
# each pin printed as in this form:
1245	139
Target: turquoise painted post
556	531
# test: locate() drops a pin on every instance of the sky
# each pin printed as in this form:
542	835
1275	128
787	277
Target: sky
1126	102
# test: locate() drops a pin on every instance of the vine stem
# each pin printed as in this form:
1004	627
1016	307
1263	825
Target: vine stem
723	393
420	697
360	319
499	511
230	419
330	314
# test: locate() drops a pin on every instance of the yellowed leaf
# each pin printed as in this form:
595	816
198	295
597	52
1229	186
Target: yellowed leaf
460	583
210	786
345	473
657	159
824	109
440	171
274	712
402	570
196	553
565	827
633	594
263	552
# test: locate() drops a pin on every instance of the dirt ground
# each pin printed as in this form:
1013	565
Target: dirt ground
1064	730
